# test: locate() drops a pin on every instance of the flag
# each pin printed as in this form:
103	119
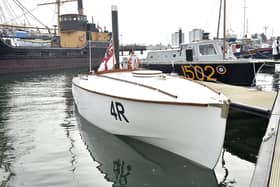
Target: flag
99	28
108	60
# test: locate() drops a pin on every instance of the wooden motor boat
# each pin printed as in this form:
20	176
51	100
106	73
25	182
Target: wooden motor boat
171	112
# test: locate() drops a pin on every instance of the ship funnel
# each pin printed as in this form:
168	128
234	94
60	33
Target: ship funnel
80	7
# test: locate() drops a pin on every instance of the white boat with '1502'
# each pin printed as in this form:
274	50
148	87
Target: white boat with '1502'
176	114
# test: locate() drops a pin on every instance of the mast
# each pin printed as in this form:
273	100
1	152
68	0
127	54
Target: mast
244	19
219	20
224	53
80	7
58	4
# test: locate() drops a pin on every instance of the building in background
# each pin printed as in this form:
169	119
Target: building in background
177	38
198	35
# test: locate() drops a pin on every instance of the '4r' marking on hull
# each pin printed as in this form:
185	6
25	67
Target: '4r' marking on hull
118	111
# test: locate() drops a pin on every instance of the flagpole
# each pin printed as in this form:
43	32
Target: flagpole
89	47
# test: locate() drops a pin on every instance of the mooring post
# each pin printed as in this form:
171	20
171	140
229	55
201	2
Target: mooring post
115	33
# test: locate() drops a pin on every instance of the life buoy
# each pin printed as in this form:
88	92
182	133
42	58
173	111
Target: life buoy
81	38
133	62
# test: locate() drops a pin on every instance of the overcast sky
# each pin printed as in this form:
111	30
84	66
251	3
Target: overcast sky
153	21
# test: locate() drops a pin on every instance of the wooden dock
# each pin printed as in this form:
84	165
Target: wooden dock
250	100
267	170
275	171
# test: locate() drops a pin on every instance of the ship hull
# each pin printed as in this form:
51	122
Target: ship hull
235	73
8	66
33	59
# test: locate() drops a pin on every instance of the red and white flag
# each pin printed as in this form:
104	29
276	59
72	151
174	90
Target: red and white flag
99	28
108	60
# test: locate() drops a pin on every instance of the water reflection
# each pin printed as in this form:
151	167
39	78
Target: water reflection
69	123
244	134
41	145
27	105
38	132
243	138
6	146
128	162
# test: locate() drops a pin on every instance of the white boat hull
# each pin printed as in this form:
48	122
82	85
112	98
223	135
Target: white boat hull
195	132
147	164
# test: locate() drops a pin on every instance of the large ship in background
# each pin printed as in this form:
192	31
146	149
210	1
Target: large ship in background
67	49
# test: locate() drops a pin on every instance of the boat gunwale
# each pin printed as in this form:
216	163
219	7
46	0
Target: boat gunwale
219	105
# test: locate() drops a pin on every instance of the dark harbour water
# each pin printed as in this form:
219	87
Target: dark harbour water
44	142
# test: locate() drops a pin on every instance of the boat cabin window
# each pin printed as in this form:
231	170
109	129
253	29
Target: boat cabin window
207	49
73	17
